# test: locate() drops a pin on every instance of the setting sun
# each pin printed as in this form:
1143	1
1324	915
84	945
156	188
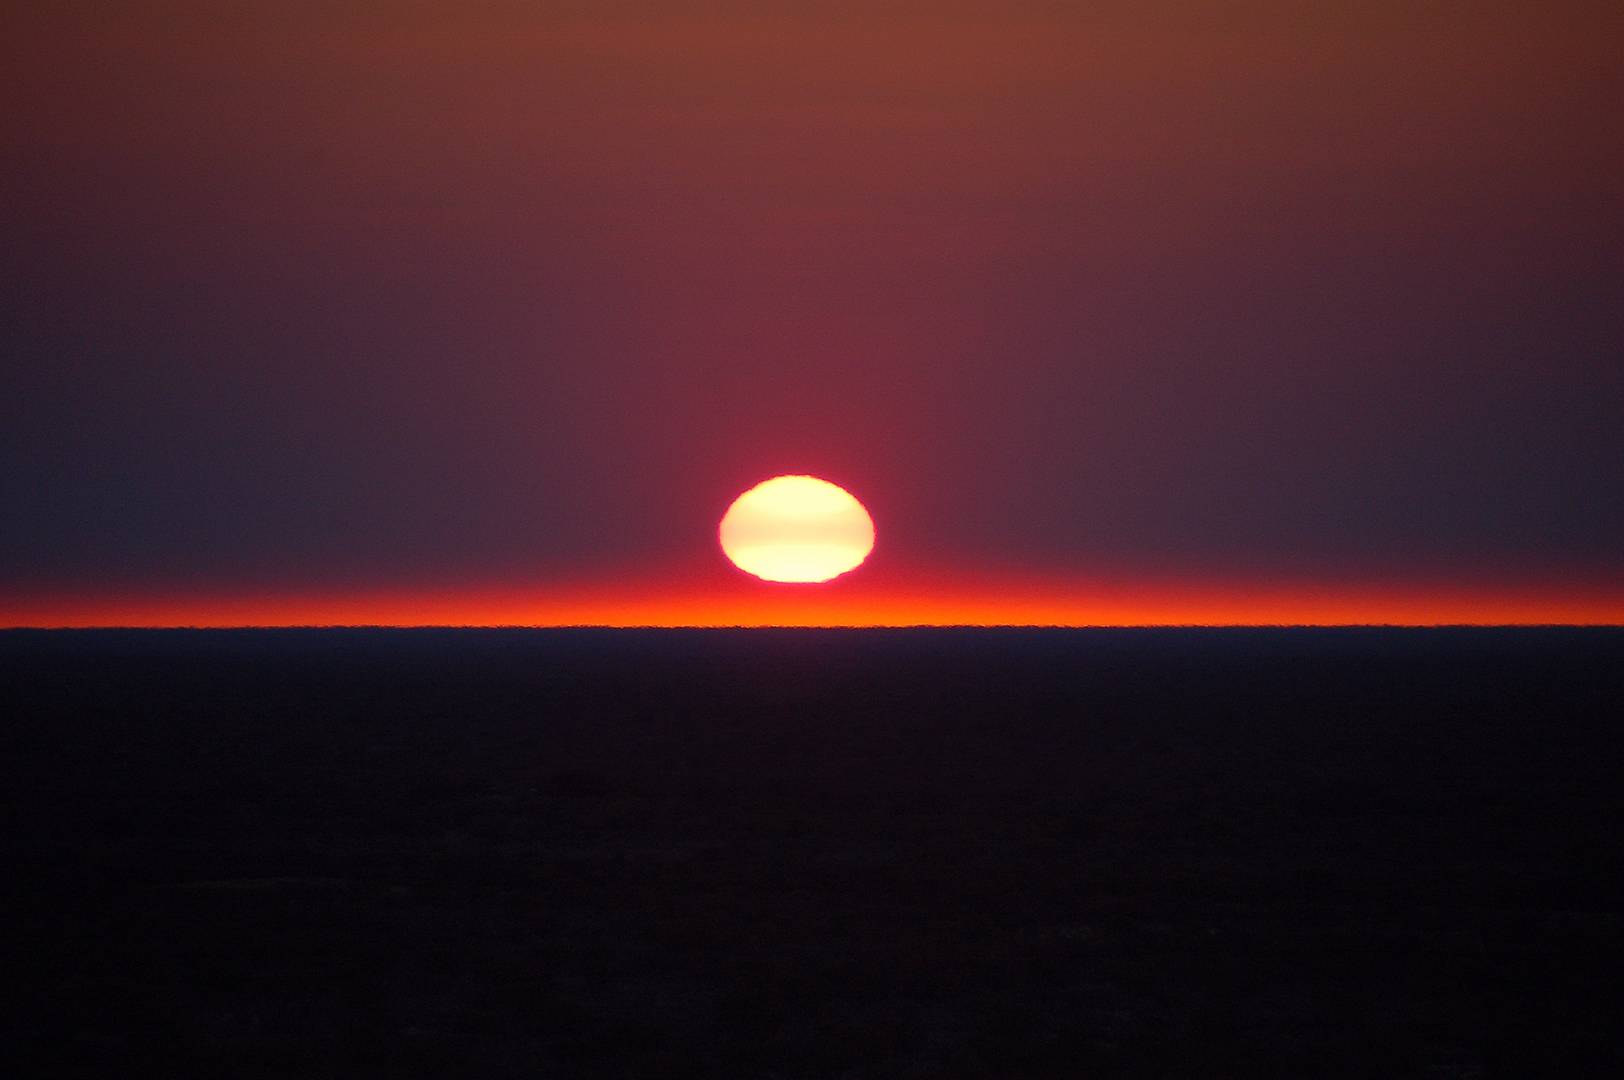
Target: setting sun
796	529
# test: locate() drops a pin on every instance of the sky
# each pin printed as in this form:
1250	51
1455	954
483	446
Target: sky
485	312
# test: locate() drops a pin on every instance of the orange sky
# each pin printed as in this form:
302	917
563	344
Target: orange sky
720	596
1166	312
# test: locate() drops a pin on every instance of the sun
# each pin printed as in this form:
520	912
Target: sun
796	529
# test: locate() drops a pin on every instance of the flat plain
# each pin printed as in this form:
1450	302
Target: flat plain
835	853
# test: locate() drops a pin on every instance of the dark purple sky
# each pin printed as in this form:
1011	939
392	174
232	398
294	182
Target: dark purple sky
402	293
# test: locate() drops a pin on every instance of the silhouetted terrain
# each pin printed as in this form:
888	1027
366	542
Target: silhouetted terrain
989	853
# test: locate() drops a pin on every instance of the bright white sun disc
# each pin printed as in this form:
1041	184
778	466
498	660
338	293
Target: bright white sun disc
796	529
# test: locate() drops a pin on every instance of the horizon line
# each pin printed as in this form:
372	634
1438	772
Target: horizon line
63	628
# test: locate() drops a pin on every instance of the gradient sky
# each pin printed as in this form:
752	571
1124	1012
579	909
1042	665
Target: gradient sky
463	312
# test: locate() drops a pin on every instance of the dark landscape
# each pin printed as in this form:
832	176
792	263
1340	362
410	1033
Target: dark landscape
841	853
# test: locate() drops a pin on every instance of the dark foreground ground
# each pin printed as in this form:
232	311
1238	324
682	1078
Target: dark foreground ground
815	854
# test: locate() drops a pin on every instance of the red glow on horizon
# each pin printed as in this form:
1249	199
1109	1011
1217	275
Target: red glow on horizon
711	600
